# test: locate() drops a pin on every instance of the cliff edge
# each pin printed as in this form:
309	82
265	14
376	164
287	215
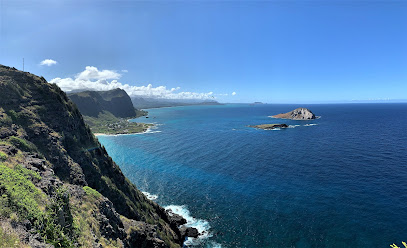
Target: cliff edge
92	103
58	185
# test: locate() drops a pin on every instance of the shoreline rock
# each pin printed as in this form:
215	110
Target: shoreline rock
189	232
269	126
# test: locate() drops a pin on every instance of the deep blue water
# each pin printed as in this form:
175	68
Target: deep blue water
339	183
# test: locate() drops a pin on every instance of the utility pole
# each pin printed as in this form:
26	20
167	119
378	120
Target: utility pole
23	64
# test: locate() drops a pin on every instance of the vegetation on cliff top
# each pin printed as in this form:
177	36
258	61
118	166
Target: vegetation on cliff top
107	123
108	111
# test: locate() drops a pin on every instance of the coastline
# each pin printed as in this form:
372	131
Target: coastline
196	184
147	130
201	225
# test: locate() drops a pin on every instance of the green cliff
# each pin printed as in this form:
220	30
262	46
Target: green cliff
108	111
92	103
58	185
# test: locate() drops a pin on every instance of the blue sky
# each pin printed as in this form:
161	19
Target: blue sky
270	51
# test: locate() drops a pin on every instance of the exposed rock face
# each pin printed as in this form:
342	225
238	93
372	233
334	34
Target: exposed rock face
189	232
270	126
175	219
297	114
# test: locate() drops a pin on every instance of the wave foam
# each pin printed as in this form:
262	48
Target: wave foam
293	126
150	196
309	125
150	131
201	225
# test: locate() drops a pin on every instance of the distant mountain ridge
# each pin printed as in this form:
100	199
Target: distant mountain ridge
92	103
120	104
143	102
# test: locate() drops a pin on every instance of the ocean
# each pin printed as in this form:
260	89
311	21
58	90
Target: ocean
337	181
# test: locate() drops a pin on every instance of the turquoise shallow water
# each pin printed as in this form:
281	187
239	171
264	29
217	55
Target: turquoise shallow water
340	182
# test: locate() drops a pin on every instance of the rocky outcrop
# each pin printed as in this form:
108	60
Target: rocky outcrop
270	126
297	114
189	232
175	219
25	232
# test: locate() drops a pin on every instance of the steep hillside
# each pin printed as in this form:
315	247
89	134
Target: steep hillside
107	111
92	103
58	185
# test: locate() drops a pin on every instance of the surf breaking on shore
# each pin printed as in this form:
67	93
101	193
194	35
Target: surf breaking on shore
201	225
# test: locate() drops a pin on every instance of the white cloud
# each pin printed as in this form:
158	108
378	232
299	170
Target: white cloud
93	79
48	62
125	71
233	93
92	72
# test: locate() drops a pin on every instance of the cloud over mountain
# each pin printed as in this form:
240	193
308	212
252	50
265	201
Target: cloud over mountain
93	79
48	62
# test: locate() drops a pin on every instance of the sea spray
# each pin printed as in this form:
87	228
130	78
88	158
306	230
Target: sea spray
201	225
150	196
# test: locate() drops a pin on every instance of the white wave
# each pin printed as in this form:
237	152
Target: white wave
151	131
293	126
309	125
150	196
215	245
201	225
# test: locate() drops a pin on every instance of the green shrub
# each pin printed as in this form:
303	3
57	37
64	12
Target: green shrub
6	120
50	226
92	192
3	156
22	144
29	174
13	115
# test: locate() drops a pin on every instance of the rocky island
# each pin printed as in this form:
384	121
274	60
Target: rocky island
297	114
270	126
